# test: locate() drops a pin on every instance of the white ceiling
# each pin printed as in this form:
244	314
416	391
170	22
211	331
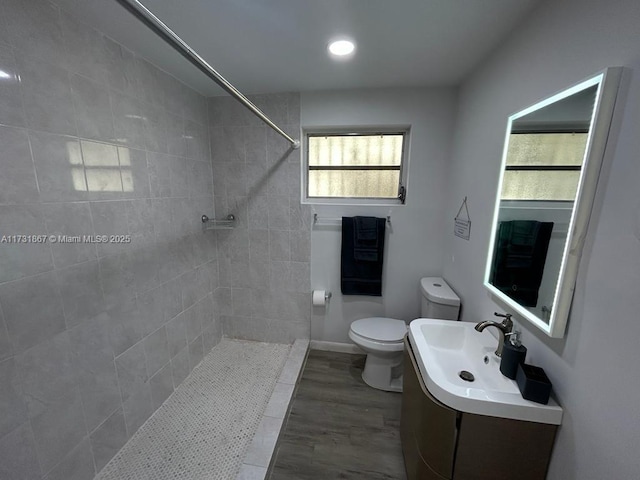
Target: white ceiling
264	46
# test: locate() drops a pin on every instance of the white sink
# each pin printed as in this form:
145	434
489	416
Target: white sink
444	348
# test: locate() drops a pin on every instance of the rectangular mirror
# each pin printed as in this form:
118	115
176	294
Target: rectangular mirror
551	161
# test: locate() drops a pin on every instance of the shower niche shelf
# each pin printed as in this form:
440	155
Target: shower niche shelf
226	223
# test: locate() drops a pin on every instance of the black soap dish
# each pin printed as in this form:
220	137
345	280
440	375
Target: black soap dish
533	383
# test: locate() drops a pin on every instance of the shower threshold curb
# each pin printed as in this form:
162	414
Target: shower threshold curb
255	465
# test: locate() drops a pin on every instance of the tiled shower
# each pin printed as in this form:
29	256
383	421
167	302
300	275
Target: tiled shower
96	141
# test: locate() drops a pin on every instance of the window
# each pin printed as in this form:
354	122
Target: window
348	167
543	166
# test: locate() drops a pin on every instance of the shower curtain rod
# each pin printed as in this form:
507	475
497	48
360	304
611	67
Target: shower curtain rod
154	23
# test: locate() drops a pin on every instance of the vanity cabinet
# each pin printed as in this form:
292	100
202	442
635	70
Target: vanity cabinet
439	442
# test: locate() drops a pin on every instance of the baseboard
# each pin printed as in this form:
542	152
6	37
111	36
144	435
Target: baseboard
334	347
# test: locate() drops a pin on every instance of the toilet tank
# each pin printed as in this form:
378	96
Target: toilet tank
438	299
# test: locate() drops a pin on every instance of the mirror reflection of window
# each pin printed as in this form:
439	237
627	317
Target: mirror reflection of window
543	166
99	167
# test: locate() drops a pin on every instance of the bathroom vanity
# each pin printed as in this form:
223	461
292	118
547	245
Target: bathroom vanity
440	442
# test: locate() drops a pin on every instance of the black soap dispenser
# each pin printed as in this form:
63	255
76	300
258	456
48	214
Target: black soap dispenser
513	354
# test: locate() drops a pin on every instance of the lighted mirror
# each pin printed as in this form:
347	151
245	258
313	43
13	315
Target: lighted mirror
551	161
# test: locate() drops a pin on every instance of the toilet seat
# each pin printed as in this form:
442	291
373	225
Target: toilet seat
379	333
380	329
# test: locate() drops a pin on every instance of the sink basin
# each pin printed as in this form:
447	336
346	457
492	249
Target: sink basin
444	348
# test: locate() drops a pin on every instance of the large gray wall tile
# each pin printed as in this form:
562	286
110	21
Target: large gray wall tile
128	118
18	260
48	373
58	429
132	370
117	278
18	181
125	325
156	350
87	49
18	453
32	310
180	366
93	354
46	96
69	220
58	161
11	110
77	465
137	408
107	439
6	349
122	71
161	385
81	292
13	411
93	109
34	27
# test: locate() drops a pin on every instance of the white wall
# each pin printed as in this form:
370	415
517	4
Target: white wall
595	368
414	244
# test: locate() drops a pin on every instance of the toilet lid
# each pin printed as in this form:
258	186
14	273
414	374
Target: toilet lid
381	329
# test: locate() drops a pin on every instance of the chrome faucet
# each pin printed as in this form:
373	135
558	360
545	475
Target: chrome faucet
504	329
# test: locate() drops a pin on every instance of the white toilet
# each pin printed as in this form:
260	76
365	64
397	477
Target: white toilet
382	338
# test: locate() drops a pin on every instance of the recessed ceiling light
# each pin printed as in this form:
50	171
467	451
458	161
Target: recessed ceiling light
341	48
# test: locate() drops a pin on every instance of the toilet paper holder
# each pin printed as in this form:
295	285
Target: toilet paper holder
320	298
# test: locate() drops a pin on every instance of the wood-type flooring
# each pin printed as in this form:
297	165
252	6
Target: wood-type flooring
338	427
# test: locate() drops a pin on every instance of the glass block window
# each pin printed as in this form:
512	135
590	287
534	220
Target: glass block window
543	166
355	165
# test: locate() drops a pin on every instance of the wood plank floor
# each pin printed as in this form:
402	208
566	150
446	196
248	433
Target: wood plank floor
338	427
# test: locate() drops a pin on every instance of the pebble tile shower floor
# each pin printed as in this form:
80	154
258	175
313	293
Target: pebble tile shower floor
205	427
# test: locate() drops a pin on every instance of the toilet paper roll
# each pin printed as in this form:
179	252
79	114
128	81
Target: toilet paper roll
320	298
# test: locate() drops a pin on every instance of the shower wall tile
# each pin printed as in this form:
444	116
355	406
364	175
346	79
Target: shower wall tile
46	96
128	118
4	34
96	141
137	408
177	333
86	48
107	439
11	111
77	465
256	177
97	378
30	318
13	411
18	182
6	349
161	385
57	429
34	28
49	375
19	260
81	292
116	277
69	219
196	352
180	366
18	453
122	70
92	105
132	370
125	325
156	349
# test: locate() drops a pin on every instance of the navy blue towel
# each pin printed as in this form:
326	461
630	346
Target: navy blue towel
519	259
362	255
